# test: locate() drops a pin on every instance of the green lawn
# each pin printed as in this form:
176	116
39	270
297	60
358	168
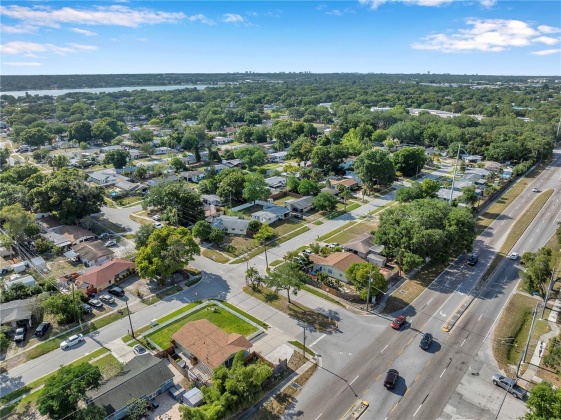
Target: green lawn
218	316
215	256
335	232
178	312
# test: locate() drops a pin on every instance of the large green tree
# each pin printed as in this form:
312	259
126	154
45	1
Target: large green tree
231	187
425	189
201	230
325	202
544	403
167	250
409	160
35	137
538	270
425	228
308	187
287	276
117	158
80	131
19	223
176	195
360	274
66	195
375	167
62	391
251	156
255	188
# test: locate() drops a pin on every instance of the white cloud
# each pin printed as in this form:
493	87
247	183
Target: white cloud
233	18
547	52
485	35
374	4
335	12
548	29
17	29
83	32
546	40
201	18
30	49
99	15
22	63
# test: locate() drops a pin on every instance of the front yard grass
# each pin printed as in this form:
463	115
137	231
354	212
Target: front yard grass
334	232
321	294
295	310
218	316
245	314
178	312
110	226
215	256
353	231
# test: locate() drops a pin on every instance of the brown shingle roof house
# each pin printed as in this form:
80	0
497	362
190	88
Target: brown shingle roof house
101	277
208	343
336	264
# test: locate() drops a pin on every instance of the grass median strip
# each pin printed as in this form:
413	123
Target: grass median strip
300	346
518	228
314	291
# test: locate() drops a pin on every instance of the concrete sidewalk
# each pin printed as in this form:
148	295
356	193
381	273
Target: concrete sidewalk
530	374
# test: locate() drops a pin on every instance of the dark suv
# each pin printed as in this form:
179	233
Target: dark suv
116	291
42	329
425	341
391	378
473	258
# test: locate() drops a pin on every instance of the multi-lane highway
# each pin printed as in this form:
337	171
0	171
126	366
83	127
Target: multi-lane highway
429	382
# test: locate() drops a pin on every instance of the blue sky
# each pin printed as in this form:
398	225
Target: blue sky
379	36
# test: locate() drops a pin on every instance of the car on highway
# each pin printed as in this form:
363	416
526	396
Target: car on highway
510	386
472	260
391	378
156	217
116	291
398	322
107	299
20	334
71	341
158	225
425	341
110	243
95	303
42	329
535	190
514	256
139	350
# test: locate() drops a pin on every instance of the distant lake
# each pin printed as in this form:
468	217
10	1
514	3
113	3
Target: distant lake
58	92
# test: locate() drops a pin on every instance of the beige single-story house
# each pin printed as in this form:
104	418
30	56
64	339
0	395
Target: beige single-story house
336	264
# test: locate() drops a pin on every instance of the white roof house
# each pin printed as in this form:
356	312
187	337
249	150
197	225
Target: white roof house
278	156
103	177
271	214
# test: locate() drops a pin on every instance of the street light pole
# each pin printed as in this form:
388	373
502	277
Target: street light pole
368	293
548	292
454	177
130	320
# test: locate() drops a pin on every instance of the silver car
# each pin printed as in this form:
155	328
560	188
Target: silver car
71	341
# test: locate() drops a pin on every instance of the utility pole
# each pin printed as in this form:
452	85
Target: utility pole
368	293
523	355
304	347
130	320
551	281
454	177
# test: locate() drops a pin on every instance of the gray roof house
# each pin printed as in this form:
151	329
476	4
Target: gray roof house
275	182
231	224
211	199
103	178
192	176
271	214
300	205
145	377
444	194
16	312
362	245
93	253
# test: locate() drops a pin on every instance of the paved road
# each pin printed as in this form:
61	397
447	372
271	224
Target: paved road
121	216
429	380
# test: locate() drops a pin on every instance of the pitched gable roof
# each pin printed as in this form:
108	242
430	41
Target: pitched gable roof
363	243
107	271
210	344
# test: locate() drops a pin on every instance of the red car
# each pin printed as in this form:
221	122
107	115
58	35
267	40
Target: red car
398	322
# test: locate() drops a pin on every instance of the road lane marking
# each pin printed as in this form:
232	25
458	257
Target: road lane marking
479	319
350	383
317	341
319	416
394	407
428	363
429	301
418	376
384	348
401	351
410	341
442	373
379	376
463	342
415	411
390	363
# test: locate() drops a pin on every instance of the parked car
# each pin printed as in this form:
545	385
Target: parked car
107	299
71	341
158	225
297	215
510	385
42	329
110	243
307	251
139	350
156	217
20	334
95	303
425	341
398	322
332	245
514	256
391	378
104	235
472	260
116	291
87	309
